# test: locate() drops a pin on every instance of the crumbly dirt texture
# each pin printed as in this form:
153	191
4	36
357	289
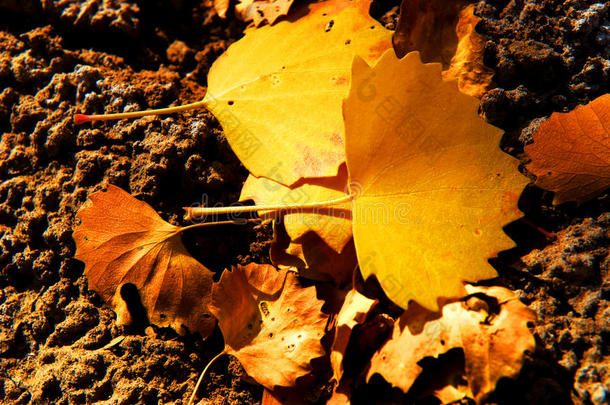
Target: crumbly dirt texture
60	344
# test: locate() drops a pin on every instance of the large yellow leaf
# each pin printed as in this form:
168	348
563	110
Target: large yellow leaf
278	91
433	189
122	241
333	224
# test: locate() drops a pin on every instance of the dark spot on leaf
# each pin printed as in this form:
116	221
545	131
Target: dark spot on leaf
329	25
348	41
271	335
230	102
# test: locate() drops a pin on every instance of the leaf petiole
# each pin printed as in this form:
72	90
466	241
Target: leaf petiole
205	224
202	374
82	118
192	212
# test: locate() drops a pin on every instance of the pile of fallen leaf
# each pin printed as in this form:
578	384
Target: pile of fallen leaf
369	164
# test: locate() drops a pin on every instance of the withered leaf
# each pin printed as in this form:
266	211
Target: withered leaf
571	152
221	7
494	343
444	31
432	187
269	322
354	311
124	241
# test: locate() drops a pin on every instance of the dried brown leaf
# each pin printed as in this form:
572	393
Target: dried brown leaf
124	241
494	343
269	322
571	152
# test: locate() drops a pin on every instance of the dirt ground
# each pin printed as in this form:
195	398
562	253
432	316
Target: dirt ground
60	57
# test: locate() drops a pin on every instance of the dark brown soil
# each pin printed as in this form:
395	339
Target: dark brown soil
58	58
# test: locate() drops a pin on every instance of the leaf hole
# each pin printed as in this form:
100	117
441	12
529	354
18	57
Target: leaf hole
86	238
271	335
230	102
442	342
348	41
162	316
372	27
329	25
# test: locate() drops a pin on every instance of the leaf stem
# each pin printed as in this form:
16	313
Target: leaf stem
201	211
82	118
206	224
203	373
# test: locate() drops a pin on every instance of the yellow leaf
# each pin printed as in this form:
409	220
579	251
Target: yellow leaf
278	91
259	11
494	341
433	189
124	241
269	322
333	224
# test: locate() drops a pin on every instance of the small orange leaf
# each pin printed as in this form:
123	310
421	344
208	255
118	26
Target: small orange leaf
571	152
123	241
259	11
432	186
277	92
269	322
353	312
494	343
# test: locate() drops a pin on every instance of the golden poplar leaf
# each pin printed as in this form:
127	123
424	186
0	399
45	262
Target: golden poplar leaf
494	341
333	224
269	322
123	241
353	312
277	92
444	31
432	187
259	11
571	152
